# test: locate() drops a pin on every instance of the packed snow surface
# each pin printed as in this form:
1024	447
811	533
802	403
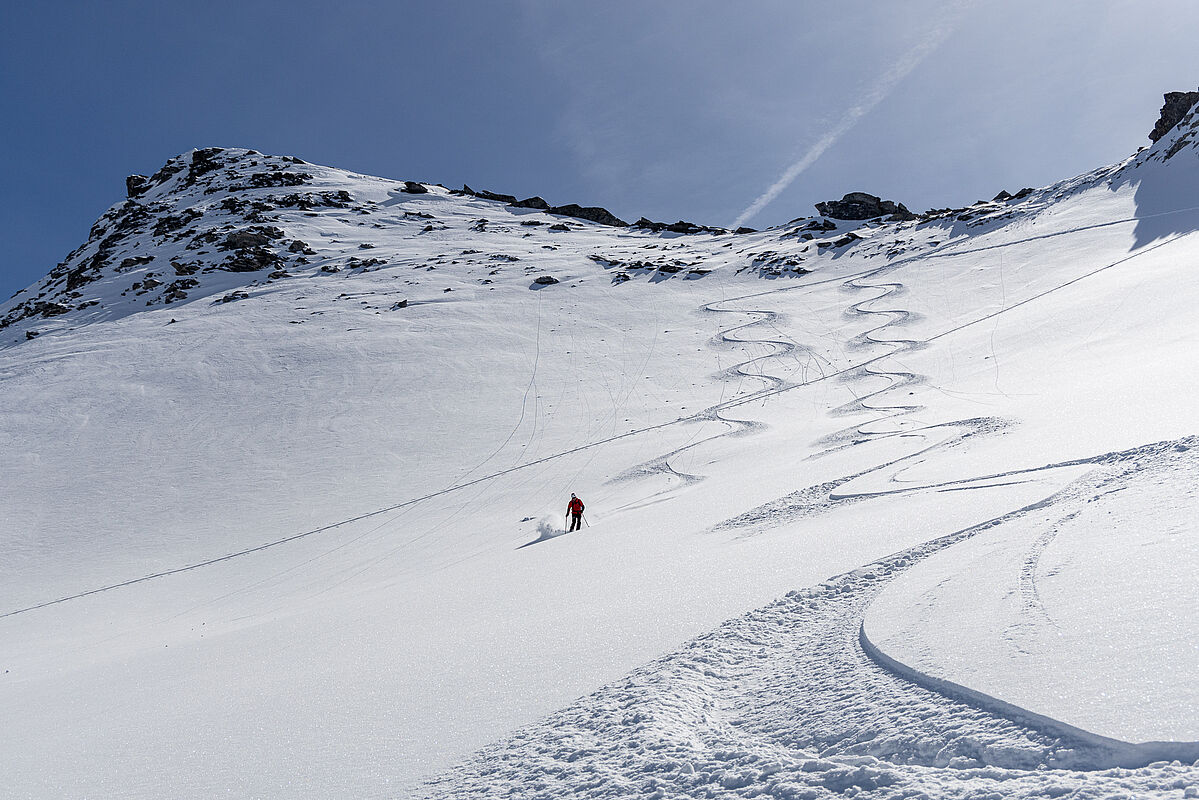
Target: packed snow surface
903	513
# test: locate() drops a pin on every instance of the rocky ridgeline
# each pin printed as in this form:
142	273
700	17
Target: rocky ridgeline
589	213
202	212
1176	106
215	211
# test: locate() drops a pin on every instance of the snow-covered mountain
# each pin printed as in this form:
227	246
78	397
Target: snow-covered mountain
879	503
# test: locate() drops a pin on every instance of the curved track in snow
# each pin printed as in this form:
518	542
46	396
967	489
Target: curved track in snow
792	701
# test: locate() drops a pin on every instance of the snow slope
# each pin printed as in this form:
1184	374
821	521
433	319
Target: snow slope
285	535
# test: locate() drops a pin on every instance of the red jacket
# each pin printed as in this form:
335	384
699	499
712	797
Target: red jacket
575	506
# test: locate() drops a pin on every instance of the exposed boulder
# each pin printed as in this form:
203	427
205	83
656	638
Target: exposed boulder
532	202
136	185
251	237
412	187
545	280
1175	108
133	262
590	213
860	205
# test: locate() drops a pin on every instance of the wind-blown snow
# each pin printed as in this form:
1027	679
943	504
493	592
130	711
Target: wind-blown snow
295	544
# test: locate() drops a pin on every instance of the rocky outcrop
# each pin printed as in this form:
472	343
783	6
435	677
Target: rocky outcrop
136	185
1175	108
590	213
412	187
532	202
251	237
675	227
860	205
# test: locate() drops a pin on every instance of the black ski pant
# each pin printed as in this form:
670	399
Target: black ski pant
576	521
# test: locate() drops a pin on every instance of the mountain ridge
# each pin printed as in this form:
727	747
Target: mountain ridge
216	212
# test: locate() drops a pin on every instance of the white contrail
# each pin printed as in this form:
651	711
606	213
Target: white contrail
881	88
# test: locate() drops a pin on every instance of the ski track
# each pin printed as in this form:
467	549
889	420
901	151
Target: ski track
792	701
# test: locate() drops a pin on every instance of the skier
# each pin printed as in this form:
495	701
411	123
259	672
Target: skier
574	509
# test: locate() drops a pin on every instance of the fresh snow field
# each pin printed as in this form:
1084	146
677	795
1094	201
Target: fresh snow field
911	514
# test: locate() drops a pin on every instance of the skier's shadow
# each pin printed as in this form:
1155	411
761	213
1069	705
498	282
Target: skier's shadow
544	538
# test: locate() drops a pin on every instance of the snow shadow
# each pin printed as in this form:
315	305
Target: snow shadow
1165	198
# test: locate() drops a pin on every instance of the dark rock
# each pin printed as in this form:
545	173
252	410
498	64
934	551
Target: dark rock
860	205
306	202
366	246
816	225
249	238
558	228
300	247
185	269
676	227
1175	108
203	162
175	165
531	222
178	290
1025	192
412	187
49	309
136	185
545	280
590	213
501	198
532	202
265	180
250	260
744	229
848	238
231	297
330	268
1001	197
399	304
31	335
134	261
170	224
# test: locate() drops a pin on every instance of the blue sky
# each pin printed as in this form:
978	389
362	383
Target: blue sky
671	110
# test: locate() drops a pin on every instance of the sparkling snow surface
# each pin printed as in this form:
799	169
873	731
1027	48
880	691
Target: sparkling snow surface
961	452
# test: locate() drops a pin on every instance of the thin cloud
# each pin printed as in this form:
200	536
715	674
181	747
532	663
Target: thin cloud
881	88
